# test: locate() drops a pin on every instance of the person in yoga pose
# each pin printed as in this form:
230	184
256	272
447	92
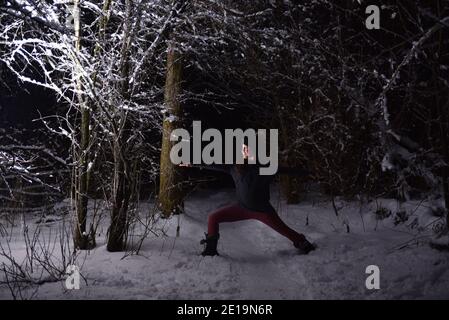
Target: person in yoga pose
253	195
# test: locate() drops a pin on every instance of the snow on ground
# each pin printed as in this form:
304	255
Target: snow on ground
257	263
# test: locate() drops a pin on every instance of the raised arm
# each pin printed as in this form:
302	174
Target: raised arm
211	167
301	172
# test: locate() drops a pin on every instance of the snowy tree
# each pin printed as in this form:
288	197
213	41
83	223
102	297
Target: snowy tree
103	69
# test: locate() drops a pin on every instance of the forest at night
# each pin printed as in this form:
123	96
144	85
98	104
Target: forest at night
224	150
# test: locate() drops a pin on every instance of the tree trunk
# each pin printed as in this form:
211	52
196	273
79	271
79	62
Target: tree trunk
446	198
170	191
443	121
292	187
122	189
80	237
121	196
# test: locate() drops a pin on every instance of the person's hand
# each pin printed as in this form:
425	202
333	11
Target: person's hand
185	164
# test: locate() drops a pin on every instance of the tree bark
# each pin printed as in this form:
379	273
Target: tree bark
121	197
170	191
80	237
122	189
292	187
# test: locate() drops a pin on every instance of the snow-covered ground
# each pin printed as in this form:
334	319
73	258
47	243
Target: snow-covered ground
257	263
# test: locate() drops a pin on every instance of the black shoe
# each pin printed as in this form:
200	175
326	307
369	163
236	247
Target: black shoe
304	247
210	248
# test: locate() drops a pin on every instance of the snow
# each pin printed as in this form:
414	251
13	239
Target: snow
257	263
386	163
171	118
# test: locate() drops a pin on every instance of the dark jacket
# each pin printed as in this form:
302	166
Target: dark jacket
252	189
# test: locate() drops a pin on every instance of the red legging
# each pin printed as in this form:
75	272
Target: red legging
236	213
